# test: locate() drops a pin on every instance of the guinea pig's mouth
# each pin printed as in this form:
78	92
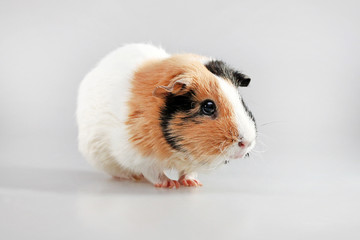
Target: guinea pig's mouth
237	155
235	152
232	158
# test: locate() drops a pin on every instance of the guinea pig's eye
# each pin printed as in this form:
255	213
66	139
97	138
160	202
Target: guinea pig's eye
208	107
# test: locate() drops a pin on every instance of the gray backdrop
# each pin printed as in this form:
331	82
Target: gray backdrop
303	57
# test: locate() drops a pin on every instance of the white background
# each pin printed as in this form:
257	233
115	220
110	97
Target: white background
303	179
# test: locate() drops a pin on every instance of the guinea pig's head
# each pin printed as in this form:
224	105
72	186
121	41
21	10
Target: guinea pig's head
203	115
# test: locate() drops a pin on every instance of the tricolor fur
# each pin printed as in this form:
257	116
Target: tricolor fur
140	113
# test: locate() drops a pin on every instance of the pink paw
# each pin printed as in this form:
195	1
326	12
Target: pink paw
188	182
168	183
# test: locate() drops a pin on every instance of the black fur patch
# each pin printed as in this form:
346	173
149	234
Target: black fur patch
221	69
191	117
173	105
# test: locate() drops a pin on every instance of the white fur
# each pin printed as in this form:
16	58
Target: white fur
102	111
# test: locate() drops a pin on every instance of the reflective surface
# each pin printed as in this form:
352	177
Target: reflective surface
240	200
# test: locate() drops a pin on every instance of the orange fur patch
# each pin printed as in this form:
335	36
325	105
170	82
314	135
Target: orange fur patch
202	137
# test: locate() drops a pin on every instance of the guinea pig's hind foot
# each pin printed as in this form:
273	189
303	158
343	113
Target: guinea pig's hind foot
190	180
166	182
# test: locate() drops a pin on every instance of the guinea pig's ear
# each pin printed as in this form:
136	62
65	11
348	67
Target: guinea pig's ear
176	86
241	79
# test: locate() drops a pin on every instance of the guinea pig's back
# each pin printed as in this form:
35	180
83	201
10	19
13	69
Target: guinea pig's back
103	95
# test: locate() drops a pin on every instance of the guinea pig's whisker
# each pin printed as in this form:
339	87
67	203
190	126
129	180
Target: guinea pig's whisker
261	143
221	146
267	123
263	135
222	150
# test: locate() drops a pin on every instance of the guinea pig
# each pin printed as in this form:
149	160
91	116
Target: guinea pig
142	111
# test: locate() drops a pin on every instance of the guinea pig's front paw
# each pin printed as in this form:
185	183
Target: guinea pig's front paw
189	181
167	183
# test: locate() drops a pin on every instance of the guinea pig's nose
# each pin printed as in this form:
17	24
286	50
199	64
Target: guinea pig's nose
243	144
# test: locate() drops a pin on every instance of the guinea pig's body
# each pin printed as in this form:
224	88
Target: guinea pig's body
142	111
